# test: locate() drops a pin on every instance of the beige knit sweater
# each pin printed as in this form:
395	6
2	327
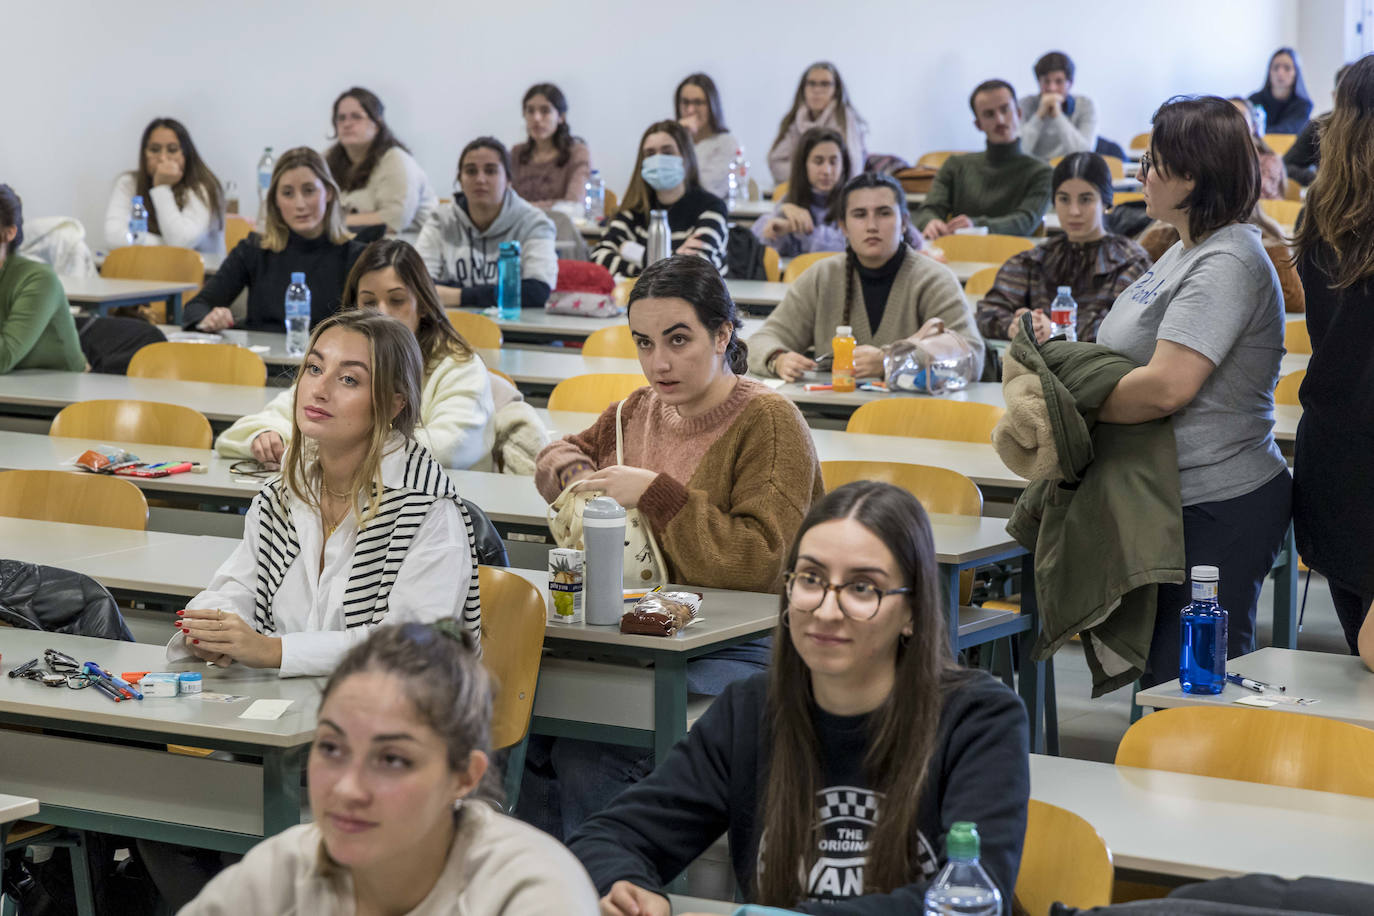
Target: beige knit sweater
814	306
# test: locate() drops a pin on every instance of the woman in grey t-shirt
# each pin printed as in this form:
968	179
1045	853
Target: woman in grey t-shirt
1206	323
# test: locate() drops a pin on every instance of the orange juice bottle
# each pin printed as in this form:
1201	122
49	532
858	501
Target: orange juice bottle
842	369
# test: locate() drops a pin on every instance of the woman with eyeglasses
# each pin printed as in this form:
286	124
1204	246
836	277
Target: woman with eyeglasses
820	101
382	184
851	757
699	111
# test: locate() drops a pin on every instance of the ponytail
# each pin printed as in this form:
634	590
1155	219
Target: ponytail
696	281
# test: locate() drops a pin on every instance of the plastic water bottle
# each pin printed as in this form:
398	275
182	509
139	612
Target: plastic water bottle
1064	315
297	316
1202	652
737	187
963	888
594	197
265	165
138	223
603	534
231	197
508	281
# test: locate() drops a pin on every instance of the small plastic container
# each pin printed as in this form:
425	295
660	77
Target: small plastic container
191	682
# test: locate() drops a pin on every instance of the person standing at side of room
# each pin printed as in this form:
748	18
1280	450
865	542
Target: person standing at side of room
184	200
552	165
820	101
1056	122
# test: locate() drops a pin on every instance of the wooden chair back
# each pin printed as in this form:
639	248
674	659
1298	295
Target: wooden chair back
1286	391
1280	143
927	418
938	489
780	191
594	392
772	265
1127	197
1284	212
503	375
148	422
1064	860
981	281
156	262
236	229
798	265
512	642
614	341
77	498
224	364
479	331
936	158
1254	745
1296	338
612	203
1140	142
991	248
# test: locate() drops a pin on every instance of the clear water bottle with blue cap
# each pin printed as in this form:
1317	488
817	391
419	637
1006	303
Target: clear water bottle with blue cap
138	223
297	316
594	197
508	281
265	166
963	888
1202	646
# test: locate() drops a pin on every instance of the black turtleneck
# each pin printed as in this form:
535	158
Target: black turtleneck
267	274
877	285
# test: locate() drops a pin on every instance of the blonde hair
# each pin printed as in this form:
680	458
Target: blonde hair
397	369
276	232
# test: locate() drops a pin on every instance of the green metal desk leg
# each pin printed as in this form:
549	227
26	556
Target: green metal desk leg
281	789
81	876
1032	683
949	594
670	703
1286	594
174	308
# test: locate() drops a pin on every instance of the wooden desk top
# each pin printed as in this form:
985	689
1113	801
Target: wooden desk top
94	290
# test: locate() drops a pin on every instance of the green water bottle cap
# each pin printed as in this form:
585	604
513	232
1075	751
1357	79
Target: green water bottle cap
962	840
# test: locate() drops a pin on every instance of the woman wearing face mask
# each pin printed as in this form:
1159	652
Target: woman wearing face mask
551	165
1095	264
802	223
721	467
455	400
182	196
820	101
665	178
698	107
382	183
838	773
304	233
401	793
461	244
1284	98
882	288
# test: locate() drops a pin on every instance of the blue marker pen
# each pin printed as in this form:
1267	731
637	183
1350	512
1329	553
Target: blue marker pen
125	689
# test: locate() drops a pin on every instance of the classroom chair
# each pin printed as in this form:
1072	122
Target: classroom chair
927	418
236	229
611	206
1296	339
1286	391
479	331
146	422
623	287
1293	191
981	281
993	249
156	262
223	364
772	265
1064	860
798	265
1284	212
498	372
1127	197
1280	143
594	392
512	643
780	191
77	498
1254	745
936	158
1140	142
1115	165
614	341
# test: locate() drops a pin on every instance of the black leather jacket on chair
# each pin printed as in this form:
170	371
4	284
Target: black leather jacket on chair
59	601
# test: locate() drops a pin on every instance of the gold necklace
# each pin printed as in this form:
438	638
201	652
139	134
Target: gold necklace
324	486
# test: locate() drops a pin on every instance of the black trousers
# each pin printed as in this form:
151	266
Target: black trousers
1351	607
1241	537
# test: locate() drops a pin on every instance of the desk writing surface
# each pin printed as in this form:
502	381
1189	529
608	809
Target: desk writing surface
55	390
15	807
94	290
59	543
757	292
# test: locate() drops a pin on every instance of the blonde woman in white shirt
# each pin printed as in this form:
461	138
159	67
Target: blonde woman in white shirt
183	197
456	401
362	526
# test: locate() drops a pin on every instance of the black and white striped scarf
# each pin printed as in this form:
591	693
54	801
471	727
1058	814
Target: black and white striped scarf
381	546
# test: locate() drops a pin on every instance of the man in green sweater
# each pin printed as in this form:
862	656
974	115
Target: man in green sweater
36	327
1002	188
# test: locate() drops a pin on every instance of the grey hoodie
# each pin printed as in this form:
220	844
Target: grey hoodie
457	253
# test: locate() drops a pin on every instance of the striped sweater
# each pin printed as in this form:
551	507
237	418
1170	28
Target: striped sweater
696	213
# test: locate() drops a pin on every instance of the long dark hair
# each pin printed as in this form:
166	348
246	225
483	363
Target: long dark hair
842	106
715	114
799	189
349	176
436	334
639	197
839	203
11	214
902	732
696	280
196	176
1299	85
1206	139
562	135
491	143
1063	260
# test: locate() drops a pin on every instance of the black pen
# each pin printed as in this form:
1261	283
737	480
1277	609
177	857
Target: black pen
106	689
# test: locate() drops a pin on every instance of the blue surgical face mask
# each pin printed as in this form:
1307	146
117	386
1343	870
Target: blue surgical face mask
662	172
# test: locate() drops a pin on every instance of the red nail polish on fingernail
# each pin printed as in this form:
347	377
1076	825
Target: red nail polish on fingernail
181	613
196	641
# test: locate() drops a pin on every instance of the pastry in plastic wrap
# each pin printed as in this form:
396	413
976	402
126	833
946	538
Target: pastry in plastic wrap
661	614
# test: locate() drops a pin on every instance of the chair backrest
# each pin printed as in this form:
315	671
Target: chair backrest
1127	197
1280	143
503	375
936	158
798	265
992	248
780	191
772	271
612	203
78	498
1286	391
479	331
1293	191
1296	339
1140	142
594	392
938	489
224	364
512	642
1284	212
148	422
236	229
1254	745
614	341
927	418
1064	860
980	281
154	262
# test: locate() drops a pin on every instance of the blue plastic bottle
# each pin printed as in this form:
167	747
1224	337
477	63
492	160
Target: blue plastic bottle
1202	652
138	222
508	282
963	888
297	316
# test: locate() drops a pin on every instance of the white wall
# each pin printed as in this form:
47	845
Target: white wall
1326	39
86	77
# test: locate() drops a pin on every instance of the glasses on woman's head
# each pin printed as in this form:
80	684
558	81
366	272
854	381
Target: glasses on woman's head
858	600
1147	162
